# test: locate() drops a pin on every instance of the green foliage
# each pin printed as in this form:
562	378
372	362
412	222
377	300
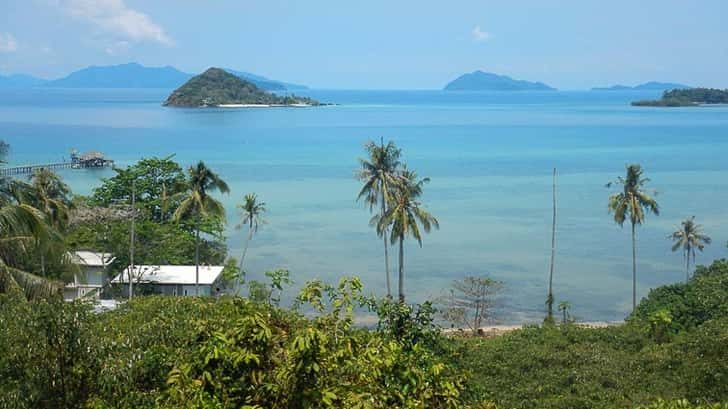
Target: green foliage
682	404
157	182
572	367
703	298
46	359
216	86
687	97
659	325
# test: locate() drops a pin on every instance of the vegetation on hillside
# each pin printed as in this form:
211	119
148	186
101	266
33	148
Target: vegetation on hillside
218	87
687	97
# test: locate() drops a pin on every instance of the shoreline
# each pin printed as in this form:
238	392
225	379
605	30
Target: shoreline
503	329
263	105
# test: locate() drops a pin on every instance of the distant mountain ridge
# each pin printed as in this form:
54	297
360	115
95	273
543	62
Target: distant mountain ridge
267	83
647	86
486	81
20	81
133	75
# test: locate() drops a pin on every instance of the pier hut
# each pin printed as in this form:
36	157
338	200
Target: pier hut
91	159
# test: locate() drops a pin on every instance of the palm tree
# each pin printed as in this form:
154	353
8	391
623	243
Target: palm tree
689	236
49	194
405	215
198	204
564	307
379	174
20	224
251	211
633	203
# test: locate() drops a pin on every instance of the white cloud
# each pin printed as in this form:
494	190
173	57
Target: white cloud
118	48
115	17
479	35
8	44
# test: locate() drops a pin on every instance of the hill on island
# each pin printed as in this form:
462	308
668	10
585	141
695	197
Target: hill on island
647	86
687	98
20	81
486	81
216	87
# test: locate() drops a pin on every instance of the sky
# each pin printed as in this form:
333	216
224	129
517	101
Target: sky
377	44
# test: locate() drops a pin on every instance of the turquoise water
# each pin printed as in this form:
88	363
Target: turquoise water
489	155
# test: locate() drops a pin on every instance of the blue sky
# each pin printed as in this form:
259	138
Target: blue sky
377	44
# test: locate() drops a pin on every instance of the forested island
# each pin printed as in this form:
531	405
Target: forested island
486	81
218	88
686	98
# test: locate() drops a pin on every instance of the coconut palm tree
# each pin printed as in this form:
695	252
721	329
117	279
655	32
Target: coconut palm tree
689	236
198	204
49	194
20	225
251	211
405	214
632	203
379	174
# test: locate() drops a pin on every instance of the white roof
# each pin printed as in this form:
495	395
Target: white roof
170	274
92	259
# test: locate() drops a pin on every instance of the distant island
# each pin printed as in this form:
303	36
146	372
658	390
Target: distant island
133	75
687	98
647	86
486	81
266	83
218	88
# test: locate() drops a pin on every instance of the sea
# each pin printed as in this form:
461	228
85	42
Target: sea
490	158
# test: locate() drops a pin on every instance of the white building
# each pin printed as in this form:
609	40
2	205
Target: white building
171	280
92	277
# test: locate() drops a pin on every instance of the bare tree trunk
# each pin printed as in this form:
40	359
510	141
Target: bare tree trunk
247	243
550	298
634	269
401	269
386	253
197	259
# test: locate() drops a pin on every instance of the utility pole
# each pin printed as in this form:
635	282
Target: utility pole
131	237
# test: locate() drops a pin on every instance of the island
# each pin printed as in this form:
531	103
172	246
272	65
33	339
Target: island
647	86
218	88
486	81
686	98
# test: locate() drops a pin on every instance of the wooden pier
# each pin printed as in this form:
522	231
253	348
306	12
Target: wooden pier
89	160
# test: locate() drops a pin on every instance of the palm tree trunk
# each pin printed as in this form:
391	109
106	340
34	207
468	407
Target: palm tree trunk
634	269
197	259
386	253
687	265
550	298
401	269
245	250
42	263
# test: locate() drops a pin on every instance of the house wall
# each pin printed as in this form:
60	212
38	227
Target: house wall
92	275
